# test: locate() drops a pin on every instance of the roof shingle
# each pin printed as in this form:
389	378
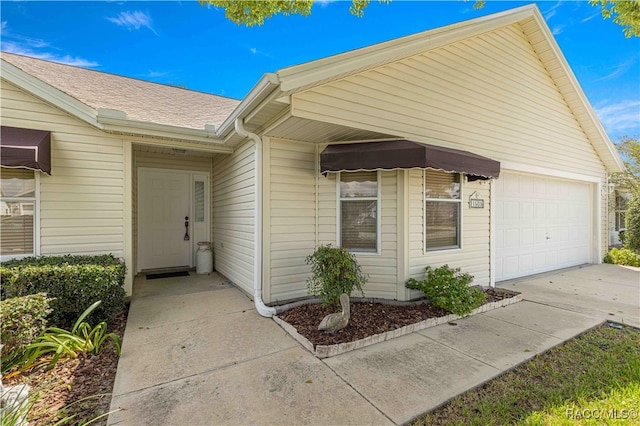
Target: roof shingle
140	100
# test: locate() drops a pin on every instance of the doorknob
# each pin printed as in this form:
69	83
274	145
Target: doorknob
186	228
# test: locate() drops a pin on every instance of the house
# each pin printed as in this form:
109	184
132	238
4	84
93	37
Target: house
471	145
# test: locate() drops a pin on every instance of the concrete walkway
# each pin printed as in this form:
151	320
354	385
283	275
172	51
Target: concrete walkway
195	352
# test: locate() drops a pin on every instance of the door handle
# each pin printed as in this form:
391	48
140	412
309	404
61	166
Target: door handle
186	228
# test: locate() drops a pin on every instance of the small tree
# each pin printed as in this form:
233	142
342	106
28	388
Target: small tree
334	271
632	223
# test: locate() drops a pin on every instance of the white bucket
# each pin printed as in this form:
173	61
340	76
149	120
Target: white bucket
204	258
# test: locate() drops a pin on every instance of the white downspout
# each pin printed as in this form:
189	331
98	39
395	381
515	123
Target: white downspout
264	310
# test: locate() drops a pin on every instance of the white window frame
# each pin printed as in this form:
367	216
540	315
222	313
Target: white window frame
424	213
36	219
377	198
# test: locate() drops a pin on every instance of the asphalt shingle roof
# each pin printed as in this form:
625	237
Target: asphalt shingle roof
140	100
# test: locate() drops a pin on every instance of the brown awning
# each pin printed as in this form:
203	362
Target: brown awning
26	148
404	154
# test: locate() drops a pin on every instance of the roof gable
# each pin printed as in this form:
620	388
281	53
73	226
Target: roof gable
528	18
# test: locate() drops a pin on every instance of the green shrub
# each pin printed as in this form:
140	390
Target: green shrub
23	319
632	223
62	343
334	271
622	256
74	281
449	289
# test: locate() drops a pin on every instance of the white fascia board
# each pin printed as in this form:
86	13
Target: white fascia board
600	135
144	128
262	89
302	75
48	93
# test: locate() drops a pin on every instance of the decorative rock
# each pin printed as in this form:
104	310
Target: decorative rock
13	402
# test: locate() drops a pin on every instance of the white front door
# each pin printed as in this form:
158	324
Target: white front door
542	224
163	208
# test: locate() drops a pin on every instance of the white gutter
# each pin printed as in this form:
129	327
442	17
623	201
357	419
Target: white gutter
262	88
264	310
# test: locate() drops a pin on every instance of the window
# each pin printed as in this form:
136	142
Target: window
17	208
359	211
443	202
199	201
622	204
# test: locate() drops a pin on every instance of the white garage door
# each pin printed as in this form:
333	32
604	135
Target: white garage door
542	224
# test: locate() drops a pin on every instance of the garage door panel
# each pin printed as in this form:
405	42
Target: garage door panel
542	224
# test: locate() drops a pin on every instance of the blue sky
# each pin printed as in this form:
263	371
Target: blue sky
183	43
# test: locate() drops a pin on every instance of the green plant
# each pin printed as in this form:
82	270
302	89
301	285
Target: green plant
449	289
334	271
632	223
82	338
622	256
23	319
73	281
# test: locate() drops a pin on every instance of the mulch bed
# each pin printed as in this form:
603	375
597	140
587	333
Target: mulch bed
71	380
367	318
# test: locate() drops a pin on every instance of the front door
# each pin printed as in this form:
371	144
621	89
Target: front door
163	211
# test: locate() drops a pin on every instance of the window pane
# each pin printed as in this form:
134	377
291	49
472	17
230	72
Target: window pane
358	184
442	185
442	224
199	201
17	183
16	228
359	225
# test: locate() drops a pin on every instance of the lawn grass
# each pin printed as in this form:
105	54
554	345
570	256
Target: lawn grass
593	379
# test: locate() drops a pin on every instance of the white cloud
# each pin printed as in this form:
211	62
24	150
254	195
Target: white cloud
551	12
3	26
557	29
19	49
324	3
622	117
588	18
619	69
156	74
133	20
255	51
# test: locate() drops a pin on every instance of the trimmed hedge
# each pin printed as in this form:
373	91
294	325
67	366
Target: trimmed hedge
23	319
76	282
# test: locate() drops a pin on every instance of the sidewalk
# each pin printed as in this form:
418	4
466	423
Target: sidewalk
207	358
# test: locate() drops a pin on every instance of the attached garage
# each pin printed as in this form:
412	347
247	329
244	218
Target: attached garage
541	223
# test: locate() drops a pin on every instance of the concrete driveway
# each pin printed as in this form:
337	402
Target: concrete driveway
195	352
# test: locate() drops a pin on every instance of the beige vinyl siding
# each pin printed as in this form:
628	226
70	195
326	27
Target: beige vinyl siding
382	268
490	94
81	203
233	206
473	256
290	230
144	156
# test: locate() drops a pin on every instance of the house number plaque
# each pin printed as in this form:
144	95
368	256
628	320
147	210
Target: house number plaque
475	201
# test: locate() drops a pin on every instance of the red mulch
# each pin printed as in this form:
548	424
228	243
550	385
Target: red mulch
71	380
367	318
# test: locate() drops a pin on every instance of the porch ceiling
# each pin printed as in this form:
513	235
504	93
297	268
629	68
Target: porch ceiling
305	130
184	152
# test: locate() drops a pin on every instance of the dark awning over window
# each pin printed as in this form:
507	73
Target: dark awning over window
26	148
404	154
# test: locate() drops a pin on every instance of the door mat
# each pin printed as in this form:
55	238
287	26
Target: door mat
168	275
